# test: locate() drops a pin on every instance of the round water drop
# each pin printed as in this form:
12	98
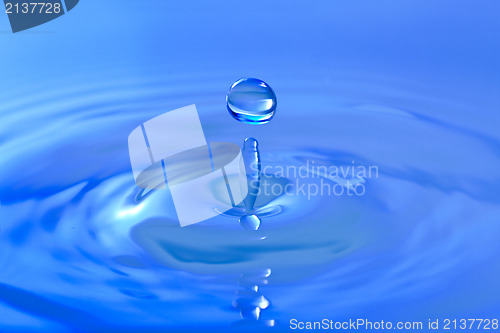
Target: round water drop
251	101
250	222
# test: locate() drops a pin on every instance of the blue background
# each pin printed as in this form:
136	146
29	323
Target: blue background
409	86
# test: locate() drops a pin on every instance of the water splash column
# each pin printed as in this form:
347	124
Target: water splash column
251	101
251	161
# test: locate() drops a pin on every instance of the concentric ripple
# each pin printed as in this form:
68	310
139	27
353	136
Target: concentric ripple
71	211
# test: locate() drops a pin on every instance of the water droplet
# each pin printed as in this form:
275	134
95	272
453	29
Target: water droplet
251	101
250	222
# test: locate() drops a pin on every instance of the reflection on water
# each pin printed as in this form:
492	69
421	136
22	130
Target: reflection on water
250	301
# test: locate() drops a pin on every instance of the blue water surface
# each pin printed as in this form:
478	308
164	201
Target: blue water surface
410	87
